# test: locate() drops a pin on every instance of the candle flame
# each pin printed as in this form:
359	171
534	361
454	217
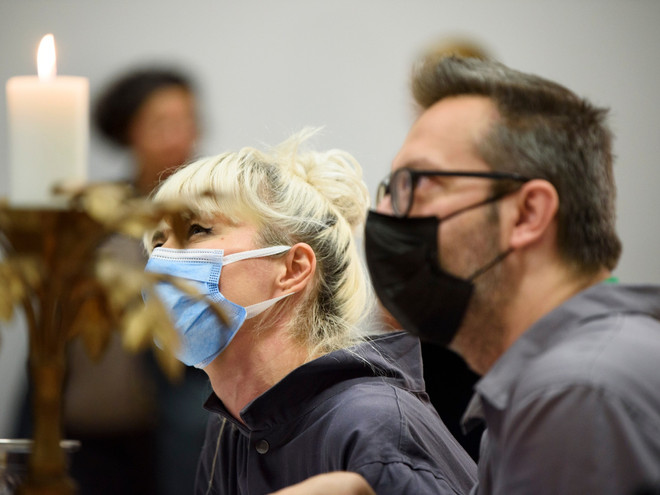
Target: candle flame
46	66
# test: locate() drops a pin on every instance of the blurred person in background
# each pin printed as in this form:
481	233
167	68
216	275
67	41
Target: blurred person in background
139	435
151	113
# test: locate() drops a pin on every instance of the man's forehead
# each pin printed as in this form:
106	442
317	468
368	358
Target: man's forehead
457	115
447	133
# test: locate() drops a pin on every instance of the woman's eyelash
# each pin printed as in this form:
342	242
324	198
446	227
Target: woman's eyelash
197	229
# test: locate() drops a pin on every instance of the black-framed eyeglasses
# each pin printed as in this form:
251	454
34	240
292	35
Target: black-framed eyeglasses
400	185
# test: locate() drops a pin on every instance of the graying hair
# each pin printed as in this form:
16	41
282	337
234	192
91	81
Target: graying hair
544	131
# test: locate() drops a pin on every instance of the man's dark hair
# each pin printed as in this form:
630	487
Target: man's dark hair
543	131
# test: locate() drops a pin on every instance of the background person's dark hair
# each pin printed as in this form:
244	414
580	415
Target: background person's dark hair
116	107
545	131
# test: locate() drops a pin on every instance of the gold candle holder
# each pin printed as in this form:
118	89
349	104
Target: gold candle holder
53	271
48	243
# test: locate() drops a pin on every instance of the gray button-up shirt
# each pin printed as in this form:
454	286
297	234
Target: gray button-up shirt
573	407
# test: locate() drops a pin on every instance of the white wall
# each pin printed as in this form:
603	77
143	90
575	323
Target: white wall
268	68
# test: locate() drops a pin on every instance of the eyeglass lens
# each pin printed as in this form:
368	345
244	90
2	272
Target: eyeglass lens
401	187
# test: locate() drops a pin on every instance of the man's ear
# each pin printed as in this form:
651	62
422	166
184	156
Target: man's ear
536	206
299	268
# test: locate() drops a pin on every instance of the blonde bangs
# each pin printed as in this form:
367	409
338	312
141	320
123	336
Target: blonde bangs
214	186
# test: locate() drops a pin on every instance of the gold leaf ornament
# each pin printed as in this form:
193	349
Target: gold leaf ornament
141	323
171	366
30	274
123	284
151	324
94	324
18	276
7	299
105	203
137	328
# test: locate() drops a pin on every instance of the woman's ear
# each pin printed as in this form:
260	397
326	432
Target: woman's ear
299	268
535	208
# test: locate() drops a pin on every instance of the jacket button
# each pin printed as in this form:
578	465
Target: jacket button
262	446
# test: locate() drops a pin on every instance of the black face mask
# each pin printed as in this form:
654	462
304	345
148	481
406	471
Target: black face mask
402	258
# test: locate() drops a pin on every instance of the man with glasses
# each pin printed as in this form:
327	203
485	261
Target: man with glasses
495	236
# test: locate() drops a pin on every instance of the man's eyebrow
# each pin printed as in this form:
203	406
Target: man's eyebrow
424	163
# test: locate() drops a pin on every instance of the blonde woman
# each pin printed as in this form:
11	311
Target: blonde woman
296	390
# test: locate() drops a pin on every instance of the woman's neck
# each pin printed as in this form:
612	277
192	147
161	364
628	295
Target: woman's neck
251	364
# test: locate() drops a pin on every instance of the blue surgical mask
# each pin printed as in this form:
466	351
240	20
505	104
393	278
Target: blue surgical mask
203	335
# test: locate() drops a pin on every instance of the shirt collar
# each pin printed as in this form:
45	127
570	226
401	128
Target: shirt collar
496	386
392	357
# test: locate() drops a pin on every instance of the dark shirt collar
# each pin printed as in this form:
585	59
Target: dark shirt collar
392	357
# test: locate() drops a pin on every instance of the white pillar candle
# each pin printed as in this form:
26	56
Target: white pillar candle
48	119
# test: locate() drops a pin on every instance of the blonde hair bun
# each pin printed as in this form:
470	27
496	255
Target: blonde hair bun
335	174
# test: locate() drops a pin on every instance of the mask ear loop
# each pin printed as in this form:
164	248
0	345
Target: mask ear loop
499	257
258	308
254	253
490	265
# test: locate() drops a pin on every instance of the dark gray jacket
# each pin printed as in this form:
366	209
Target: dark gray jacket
362	410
